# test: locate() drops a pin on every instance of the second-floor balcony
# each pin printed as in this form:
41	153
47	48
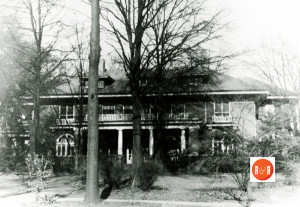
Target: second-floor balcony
124	117
151	117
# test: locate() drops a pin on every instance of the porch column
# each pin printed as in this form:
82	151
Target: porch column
183	140
120	141
56	148
151	142
66	146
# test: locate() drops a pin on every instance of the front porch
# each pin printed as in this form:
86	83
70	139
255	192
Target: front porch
117	143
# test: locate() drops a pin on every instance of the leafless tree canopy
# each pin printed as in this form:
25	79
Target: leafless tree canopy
279	66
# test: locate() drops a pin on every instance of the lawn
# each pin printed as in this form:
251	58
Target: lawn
208	189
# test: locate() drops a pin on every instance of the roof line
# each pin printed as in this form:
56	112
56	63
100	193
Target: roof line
283	97
168	94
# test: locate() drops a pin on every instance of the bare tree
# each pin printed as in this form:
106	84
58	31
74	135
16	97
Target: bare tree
279	65
92	189
156	38
80	49
178	37
128	22
41	61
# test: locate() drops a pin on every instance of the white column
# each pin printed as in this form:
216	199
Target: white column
151	142
120	141
222	145
183	140
56	148
66	147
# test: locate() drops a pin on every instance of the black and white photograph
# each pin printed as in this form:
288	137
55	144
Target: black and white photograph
150	103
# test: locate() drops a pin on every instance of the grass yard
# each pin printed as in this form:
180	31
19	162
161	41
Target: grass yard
207	189
183	188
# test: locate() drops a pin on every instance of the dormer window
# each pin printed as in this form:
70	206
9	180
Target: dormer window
144	82
195	81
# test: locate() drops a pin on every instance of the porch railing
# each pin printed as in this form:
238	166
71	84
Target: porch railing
220	146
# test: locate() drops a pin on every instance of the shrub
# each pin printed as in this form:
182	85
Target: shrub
6	156
148	174
12	159
290	176
227	165
202	166
39	168
81	172
207	165
111	173
63	164
114	174
176	162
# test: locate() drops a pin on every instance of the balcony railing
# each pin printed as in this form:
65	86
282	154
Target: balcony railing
177	116
65	121
114	117
222	119
123	117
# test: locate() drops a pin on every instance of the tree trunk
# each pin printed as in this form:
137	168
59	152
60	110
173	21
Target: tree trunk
136	121
92	190
34	127
160	126
76	149
38	34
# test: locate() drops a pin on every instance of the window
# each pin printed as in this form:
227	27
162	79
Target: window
63	112
66	112
197	81
147	108
70	111
108	109
177	108
65	145
127	109
221	109
119	109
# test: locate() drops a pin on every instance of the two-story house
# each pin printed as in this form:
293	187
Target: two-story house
224	103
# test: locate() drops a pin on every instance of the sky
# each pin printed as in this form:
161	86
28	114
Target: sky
252	23
262	20
257	22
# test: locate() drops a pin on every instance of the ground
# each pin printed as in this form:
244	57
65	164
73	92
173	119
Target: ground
169	190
